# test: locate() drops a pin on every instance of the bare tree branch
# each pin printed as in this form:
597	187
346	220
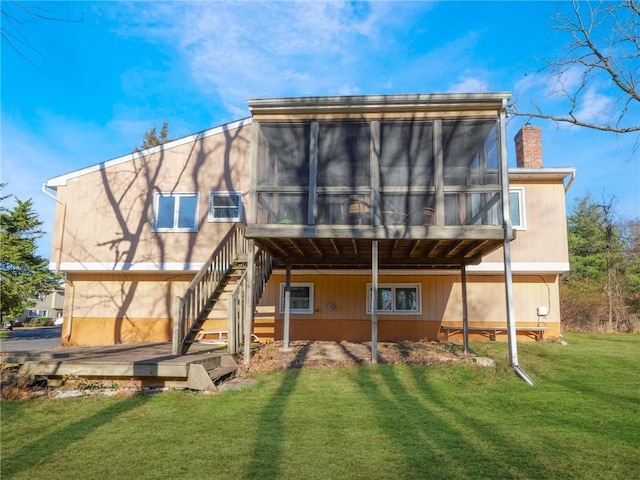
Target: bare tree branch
602	62
15	15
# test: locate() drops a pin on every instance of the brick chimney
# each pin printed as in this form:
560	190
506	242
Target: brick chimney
529	147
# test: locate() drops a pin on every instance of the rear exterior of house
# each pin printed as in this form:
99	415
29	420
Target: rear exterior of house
360	201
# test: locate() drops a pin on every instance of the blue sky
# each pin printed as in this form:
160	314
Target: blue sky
92	85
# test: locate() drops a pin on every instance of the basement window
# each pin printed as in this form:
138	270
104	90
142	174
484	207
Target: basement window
175	212
399	298
301	298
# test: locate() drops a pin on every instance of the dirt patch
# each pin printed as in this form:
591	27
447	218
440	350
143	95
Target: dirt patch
301	354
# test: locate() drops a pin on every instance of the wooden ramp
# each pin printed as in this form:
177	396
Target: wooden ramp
147	365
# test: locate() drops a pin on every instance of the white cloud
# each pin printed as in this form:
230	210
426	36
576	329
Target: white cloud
594	107
236	51
470	84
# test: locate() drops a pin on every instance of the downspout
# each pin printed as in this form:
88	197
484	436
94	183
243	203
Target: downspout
508	235
68	282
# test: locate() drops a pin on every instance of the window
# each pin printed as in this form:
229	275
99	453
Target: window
175	212
225	207
34	313
516	206
301	297
397	298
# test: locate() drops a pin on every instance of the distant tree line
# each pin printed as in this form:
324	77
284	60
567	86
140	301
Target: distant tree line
602	291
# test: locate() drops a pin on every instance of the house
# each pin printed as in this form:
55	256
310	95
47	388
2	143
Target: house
47	306
322	204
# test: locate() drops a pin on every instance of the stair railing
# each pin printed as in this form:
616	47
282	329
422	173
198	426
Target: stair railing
263	267
190	309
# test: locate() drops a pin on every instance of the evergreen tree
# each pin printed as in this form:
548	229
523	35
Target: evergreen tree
24	275
598	291
151	138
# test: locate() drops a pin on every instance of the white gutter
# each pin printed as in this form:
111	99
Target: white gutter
573	177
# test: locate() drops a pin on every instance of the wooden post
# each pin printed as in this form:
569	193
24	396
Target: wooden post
231	325
374	302
176	342
465	311
248	302
287	307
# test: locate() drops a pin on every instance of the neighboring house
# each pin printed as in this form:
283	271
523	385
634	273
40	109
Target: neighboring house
45	306
321	185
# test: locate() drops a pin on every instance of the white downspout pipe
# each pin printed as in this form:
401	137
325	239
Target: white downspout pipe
68	283
508	235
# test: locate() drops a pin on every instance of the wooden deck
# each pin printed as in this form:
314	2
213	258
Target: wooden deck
147	364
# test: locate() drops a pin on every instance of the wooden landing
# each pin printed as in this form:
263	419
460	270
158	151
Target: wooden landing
148	364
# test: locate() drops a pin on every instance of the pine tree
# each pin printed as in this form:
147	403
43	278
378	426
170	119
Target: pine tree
597	290
24	275
151	138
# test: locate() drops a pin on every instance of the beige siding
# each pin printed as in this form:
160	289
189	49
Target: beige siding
107	309
106	215
128	308
441	305
545	237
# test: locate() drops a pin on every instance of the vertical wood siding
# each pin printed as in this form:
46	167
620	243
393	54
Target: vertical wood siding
545	237
108	213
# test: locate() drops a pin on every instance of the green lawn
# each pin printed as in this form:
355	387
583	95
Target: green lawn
581	420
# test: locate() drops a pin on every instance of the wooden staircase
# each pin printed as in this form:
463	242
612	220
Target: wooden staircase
215	305
212	327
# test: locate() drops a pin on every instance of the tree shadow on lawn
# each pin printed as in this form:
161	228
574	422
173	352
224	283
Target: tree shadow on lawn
436	439
267	448
38	451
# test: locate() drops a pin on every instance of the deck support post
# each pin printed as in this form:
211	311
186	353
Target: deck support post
248	301
465	311
287	307
374	302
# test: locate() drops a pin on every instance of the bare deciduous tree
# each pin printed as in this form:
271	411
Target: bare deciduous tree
15	15
599	76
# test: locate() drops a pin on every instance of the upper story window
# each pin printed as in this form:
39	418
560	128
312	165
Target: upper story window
516	208
175	212
398	298
225	207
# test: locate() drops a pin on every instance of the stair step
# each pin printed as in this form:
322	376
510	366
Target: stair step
221	371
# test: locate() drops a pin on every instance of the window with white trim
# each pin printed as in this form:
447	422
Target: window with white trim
399	298
225	207
516	207
301	297
175	212
36	313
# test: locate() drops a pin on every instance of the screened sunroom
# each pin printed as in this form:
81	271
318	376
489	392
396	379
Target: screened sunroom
423	174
